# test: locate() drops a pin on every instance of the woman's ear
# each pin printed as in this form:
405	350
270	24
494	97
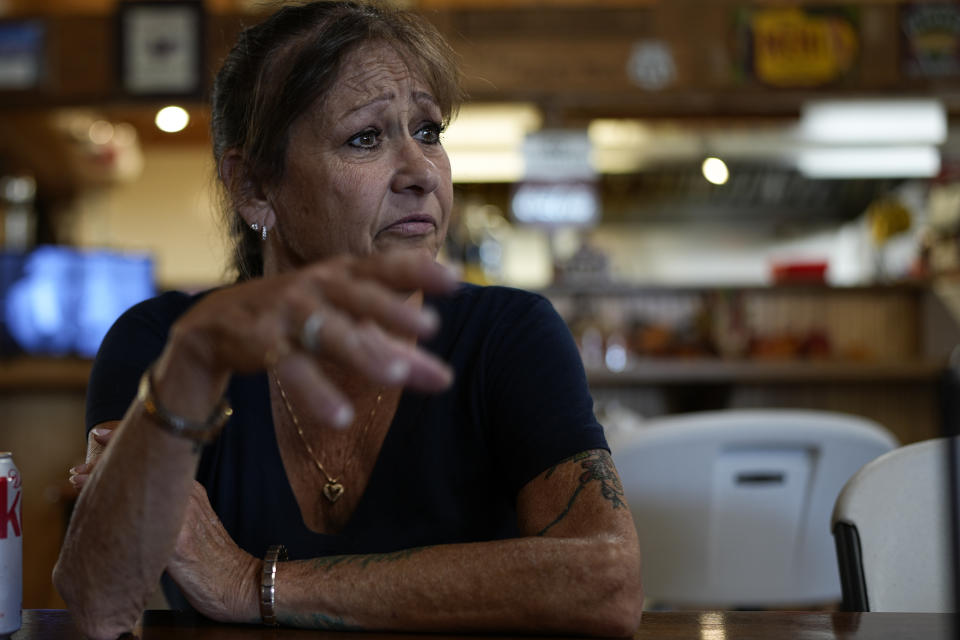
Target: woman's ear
245	190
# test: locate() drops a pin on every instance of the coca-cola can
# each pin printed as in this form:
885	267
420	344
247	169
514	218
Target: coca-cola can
11	545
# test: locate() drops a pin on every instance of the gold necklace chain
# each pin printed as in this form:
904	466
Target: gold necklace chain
332	489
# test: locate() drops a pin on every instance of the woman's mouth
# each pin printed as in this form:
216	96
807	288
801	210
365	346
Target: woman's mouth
411	226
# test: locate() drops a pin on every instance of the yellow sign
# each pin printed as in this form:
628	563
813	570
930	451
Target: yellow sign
794	48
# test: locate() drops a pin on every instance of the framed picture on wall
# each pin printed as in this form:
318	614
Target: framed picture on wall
160	48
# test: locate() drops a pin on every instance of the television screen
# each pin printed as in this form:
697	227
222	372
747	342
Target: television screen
60	301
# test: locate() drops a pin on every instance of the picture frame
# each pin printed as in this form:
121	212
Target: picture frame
160	50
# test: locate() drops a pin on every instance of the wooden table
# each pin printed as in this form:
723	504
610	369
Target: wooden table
53	624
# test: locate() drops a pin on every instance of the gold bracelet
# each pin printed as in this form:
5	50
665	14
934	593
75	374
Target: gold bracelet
268	580
199	432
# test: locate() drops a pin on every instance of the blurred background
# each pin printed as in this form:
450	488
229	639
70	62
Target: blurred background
732	203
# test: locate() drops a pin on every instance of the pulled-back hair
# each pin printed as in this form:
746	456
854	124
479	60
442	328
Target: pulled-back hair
278	68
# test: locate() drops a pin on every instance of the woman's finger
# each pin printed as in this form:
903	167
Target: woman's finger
102	435
79	480
301	384
406	271
368	299
355	313
80	473
97	441
85	467
366	348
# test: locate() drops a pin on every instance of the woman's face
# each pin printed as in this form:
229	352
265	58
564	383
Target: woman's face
365	170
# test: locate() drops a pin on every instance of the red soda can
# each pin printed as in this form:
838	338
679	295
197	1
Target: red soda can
11	545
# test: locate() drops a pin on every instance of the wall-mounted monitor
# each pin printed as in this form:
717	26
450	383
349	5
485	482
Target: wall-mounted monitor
60	301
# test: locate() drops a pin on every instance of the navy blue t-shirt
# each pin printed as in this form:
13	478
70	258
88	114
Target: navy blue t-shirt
452	463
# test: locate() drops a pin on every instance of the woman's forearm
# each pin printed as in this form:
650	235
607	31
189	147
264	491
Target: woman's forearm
127	518
543	585
124	527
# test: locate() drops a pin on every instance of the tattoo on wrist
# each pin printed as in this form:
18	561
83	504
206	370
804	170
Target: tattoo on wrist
597	467
317	621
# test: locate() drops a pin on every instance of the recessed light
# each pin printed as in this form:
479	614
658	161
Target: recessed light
172	119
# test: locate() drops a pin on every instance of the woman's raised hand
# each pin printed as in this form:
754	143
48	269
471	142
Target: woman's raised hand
346	315
97	441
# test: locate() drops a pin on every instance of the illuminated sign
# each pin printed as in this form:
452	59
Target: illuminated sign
931	40
793	47
556	203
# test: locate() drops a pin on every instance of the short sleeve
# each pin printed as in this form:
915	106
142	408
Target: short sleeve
134	341
538	400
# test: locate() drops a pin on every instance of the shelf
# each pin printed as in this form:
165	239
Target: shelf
620	289
53	374
661	372
44	374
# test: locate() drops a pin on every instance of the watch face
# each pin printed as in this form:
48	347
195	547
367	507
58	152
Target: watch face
161	49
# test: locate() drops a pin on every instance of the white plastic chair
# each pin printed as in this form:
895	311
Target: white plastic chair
892	530
733	507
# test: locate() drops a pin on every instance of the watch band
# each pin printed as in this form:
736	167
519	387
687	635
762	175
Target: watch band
268	593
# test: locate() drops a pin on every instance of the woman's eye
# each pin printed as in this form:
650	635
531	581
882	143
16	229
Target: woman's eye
365	140
429	133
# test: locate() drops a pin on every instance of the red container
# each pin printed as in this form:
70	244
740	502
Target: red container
11	545
791	272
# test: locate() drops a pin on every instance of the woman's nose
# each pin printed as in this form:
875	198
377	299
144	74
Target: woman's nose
416	171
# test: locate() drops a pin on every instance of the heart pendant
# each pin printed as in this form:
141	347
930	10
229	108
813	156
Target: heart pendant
332	491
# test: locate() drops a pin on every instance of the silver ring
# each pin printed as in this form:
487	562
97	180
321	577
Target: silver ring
310	331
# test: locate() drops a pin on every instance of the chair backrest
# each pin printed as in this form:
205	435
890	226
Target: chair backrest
733	507
892	528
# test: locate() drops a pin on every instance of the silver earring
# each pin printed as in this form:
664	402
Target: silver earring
255	226
263	233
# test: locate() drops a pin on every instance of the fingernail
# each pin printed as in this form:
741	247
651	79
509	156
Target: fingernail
74	470
454	272
343	418
398	370
429	319
100	432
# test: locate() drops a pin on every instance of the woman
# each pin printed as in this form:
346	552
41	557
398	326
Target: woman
430	467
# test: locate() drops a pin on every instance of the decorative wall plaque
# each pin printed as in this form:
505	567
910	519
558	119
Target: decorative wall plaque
161	48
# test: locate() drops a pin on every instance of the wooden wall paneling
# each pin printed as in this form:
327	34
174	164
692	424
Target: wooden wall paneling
545	5
543	53
82	65
45	432
221	32
519	67
879	65
697	35
909	409
29	144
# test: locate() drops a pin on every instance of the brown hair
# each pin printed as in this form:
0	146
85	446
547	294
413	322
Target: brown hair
277	69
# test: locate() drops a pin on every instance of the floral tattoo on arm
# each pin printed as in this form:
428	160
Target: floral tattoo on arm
597	467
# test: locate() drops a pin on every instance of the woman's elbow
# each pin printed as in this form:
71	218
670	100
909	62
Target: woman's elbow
87	617
63	582
624	608
618	605
623	616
